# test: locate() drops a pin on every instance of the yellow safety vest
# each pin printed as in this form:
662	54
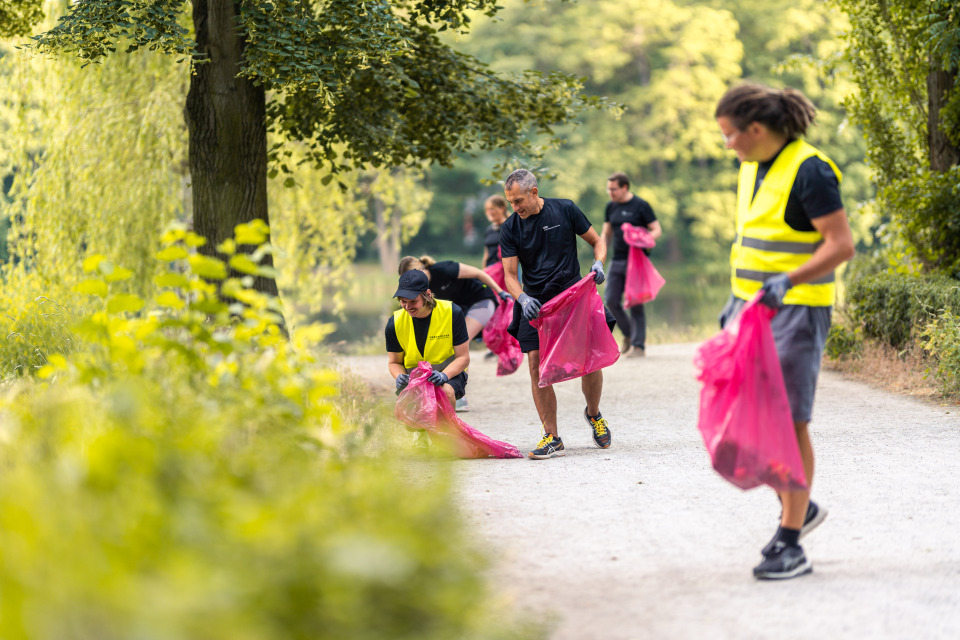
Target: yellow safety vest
438	350
766	245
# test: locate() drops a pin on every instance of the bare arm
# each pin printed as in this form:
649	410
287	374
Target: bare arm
466	271
655	230
510	276
836	249
395	363
461	360
486	254
606	233
595	241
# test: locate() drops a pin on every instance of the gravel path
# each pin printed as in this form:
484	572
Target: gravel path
645	540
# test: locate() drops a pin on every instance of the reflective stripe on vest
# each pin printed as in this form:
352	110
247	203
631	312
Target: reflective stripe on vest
766	245
439	345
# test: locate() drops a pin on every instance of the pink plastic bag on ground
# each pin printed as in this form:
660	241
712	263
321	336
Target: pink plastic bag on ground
422	405
503	344
643	281
574	336
745	415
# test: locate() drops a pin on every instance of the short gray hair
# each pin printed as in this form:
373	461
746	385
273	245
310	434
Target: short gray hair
521	177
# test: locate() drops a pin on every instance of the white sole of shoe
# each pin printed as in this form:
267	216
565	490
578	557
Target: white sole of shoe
555	454
816	522
801	569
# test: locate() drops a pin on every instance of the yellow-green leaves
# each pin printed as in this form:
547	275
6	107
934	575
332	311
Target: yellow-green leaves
93	286
206	267
169	254
124	303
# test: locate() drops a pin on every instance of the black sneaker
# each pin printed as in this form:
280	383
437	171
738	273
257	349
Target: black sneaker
814	518
601	430
550	446
783	562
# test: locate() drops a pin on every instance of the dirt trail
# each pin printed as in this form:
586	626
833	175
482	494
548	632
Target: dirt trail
644	540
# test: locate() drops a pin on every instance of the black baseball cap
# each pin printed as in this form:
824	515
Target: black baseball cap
412	284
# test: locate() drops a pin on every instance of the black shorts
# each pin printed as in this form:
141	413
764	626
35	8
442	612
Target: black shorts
529	338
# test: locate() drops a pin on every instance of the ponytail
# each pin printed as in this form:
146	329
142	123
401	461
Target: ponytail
427	261
787	112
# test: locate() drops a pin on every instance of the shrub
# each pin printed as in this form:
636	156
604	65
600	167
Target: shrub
189	473
941	340
889	307
843	342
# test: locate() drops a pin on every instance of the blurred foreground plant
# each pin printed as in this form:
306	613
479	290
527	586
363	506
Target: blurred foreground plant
188	474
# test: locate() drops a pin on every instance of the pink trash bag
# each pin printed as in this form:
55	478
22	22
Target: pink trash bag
745	415
495	334
422	405
503	344
643	281
574	336
495	271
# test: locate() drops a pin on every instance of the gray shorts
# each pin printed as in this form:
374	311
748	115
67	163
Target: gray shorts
482	311
800	333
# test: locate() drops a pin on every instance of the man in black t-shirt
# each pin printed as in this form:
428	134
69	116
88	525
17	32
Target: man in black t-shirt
542	239
623	207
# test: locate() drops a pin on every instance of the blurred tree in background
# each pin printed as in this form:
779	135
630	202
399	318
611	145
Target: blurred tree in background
667	62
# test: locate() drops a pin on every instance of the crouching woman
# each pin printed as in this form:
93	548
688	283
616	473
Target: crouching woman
425	328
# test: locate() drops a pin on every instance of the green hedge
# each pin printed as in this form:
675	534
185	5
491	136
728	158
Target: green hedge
895	308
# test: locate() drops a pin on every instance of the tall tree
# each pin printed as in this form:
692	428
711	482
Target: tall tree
905	58
365	83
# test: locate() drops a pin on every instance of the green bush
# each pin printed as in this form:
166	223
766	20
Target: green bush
941	340
891	307
843	342
189	473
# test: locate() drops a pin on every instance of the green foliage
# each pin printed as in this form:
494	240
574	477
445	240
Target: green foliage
893	307
926	207
17	17
191	473
667	63
359	84
99	163
843	342
941	340
893	51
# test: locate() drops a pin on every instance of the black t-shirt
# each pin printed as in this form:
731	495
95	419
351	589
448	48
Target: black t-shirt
421	328
636	211
815	192
491	240
546	246
446	284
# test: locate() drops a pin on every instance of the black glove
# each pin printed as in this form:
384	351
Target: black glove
531	306
504	295
438	378
597	269
402	380
774	289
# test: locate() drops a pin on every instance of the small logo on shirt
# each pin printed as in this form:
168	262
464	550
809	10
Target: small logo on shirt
546	228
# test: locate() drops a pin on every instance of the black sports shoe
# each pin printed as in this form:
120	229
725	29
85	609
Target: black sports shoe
783	562
550	446
600	428
814	518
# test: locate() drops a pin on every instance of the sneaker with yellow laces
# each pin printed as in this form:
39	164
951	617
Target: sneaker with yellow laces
601	430
550	446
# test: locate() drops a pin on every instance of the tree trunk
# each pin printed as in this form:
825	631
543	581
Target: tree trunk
226	121
943	153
